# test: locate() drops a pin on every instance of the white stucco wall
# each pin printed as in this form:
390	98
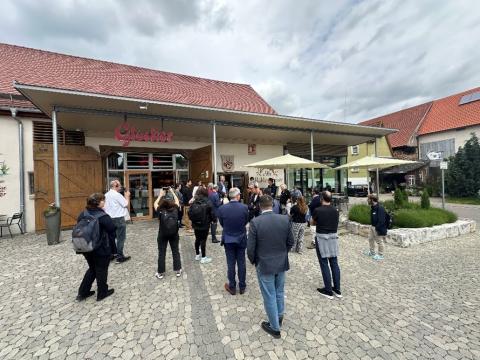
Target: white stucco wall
239	151
460	136
9	150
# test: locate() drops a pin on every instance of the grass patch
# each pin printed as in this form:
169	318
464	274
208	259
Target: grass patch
465	200
413	216
360	214
417	218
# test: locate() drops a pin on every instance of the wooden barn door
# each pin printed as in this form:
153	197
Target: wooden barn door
201	165
80	169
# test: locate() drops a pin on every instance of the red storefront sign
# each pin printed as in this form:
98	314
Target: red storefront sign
125	133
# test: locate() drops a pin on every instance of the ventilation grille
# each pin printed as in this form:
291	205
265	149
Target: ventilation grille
42	133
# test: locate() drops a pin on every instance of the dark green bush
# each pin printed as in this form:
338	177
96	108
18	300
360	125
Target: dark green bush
425	200
360	213
416	218
390	205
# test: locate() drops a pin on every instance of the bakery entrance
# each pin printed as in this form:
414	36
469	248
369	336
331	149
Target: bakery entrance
144	175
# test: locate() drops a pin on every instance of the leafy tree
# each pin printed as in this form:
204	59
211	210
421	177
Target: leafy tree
463	174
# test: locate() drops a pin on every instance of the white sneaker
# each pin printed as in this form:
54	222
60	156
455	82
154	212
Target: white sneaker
159	276
179	273
205	260
198	257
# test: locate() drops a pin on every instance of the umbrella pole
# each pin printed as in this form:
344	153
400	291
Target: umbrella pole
377	188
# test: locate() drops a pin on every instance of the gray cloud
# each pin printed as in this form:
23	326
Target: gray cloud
343	60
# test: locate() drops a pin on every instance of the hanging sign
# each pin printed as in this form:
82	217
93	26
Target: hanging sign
227	163
125	133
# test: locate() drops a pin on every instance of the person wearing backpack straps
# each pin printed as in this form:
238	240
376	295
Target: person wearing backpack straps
378	230
167	206
201	214
98	259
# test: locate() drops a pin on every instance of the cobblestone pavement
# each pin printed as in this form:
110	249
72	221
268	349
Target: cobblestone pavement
420	303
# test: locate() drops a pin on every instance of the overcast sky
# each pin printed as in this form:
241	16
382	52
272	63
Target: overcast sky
336	60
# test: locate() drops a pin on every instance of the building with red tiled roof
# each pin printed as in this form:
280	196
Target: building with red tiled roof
45	68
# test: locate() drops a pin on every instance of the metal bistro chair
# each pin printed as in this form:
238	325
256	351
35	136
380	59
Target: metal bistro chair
15	219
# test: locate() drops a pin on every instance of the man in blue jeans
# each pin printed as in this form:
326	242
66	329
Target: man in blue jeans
234	218
325	217
269	240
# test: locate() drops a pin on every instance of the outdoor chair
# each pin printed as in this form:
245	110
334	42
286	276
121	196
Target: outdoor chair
15	219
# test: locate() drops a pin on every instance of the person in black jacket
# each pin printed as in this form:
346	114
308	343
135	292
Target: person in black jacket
99	259
167	207
314	203
202	227
378	230
284	197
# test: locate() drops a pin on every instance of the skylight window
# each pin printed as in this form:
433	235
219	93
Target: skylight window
470	98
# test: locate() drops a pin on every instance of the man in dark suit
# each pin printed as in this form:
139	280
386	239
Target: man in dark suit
269	240
233	218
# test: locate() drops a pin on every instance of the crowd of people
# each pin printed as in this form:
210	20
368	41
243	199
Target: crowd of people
265	228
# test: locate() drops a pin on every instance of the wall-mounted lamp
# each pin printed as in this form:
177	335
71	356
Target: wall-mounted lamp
143	106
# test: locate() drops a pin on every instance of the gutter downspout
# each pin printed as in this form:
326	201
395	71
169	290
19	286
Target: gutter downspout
21	156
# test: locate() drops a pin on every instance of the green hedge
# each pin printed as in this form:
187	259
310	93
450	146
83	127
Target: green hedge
411	217
390	205
417	218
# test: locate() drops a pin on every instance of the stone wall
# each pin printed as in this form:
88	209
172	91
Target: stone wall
406	237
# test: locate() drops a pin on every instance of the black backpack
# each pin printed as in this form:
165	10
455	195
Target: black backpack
86	235
388	220
198	213
168	222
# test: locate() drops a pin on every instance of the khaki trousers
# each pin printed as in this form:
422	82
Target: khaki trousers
375	238
186	219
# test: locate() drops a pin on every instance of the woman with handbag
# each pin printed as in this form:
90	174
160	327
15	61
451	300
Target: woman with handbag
298	214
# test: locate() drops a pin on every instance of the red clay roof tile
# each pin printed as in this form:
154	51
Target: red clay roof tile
447	114
44	68
406	121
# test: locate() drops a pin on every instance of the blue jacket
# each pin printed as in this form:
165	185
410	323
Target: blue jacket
378	219
233	218
314	204
215	200
270	238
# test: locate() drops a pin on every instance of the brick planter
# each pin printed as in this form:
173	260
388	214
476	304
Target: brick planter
406	237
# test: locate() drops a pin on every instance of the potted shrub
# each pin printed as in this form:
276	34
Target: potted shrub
53	220
4	169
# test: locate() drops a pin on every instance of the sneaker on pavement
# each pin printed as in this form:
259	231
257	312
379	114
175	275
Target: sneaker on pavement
205	260
179	273
378	257
198	257
159	276
337	293
324	292
369	253
122	259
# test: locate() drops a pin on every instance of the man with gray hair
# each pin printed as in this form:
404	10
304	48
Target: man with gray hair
116	205
234	218
214	198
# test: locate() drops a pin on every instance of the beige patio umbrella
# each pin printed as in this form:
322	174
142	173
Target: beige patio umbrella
288	161
375	162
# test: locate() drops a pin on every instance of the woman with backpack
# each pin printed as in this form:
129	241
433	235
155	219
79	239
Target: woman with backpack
167	207
298	214
201	215
98	259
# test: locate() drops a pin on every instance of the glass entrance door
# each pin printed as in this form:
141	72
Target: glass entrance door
140	200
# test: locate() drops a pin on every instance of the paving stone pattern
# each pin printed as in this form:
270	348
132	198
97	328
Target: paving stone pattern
420	303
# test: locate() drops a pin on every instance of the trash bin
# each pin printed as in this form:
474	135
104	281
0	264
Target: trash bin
53	220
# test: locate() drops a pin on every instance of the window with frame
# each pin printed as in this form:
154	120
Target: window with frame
410	180
355	150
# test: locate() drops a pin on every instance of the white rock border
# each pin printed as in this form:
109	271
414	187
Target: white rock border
406	237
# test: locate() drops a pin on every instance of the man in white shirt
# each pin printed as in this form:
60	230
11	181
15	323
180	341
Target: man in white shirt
116	205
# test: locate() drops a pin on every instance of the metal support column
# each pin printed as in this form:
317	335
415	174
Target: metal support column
311	158
56	176
377	187
215	180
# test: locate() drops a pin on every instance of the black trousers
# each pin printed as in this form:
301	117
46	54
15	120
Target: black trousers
162	252
201	241
97	270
